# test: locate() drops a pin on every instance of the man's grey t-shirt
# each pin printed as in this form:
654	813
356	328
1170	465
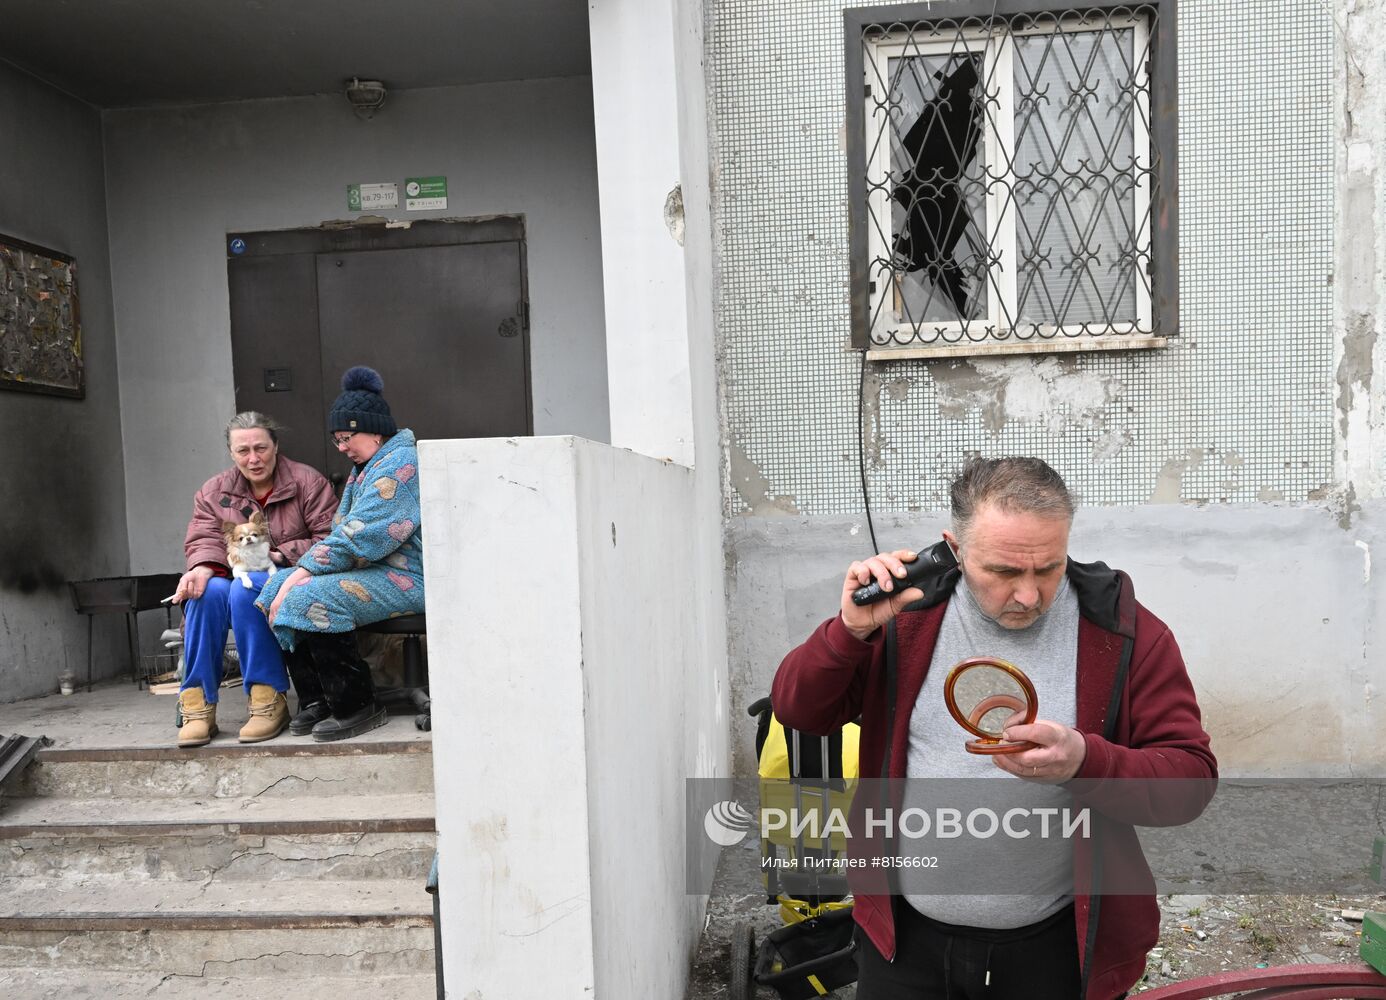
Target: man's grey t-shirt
1039	867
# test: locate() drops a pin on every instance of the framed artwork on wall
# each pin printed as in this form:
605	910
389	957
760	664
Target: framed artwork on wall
40	325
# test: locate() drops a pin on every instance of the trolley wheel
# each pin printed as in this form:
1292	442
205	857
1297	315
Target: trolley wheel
743	956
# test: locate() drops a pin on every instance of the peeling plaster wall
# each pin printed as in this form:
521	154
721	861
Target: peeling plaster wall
1361	248
1281	617
63	494
181	178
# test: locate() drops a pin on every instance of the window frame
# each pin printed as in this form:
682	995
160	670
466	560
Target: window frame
1161	194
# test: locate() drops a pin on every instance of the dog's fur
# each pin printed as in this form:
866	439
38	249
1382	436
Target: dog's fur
247	548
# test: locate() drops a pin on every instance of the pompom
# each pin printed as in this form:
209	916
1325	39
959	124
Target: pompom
361	377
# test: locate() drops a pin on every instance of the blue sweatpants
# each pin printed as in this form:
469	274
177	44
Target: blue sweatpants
205	620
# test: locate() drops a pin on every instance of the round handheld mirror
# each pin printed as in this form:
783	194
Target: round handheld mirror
986	695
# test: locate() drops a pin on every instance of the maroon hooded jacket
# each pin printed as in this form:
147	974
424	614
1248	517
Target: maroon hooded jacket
1136	710
299	511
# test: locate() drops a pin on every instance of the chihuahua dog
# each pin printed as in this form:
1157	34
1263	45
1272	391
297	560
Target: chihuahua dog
247	548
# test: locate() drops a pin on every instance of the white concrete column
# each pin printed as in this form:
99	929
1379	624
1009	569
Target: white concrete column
510	774
635	92
563	632
650	99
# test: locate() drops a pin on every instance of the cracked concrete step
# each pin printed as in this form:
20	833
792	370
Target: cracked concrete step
401	946
231	929
231	771
95	984
131	904
345	837
190	816
243	857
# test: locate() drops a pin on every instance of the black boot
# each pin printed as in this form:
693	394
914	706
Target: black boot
344	727
309	716
345	683
312	704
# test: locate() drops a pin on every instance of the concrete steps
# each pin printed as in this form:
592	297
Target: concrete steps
46	984
115	901
262	772
160	872
102	817
205	852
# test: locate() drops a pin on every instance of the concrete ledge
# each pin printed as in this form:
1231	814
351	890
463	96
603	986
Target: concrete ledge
65	984
151	920
257	779
420	824
210	855
238	750
384	948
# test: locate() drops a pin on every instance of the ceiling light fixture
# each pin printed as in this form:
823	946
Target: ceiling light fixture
365	96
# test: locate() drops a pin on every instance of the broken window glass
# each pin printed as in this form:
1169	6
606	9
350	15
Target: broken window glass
939	250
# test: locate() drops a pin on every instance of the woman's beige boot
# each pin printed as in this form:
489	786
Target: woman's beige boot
269	714
199	719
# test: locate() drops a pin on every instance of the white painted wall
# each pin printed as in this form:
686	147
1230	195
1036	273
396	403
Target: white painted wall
601	613
63	495
1277	609
650	95
636	94
708	729
562	641
179	179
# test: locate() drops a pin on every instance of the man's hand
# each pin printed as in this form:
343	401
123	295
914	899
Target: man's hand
884	569
295	578
277	558
1058	754
192	584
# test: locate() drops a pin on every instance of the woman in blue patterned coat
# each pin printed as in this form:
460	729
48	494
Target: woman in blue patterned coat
368	568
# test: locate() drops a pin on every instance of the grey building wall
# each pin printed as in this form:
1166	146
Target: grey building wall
63	491
1237	475
1280	615
1239	408
181	178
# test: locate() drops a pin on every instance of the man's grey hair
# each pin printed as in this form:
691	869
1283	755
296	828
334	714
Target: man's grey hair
251	420
1014	485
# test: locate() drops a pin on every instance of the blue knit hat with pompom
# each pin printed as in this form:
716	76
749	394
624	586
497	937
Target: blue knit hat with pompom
361	407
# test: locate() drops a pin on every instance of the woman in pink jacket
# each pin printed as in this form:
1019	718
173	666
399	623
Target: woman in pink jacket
297	502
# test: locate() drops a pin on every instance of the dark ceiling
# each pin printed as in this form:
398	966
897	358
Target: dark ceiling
132	53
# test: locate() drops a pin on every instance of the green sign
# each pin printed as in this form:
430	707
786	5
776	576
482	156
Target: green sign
425	193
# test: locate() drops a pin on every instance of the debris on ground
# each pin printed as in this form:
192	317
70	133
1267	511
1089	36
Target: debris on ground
1199	935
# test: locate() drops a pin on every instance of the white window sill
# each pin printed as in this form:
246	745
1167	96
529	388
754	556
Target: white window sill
1059	345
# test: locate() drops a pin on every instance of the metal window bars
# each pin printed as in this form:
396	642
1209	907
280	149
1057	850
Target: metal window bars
1011	176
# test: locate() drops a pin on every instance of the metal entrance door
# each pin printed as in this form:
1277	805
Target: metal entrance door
438	309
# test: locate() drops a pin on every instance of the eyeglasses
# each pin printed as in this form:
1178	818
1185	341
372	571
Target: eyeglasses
340	440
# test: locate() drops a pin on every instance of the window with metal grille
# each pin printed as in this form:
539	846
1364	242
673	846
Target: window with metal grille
1012	177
